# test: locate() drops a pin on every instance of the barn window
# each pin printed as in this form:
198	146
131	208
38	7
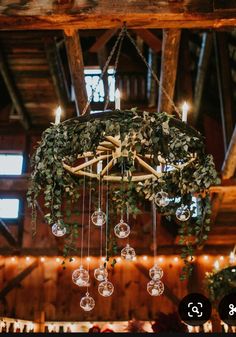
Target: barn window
11	164
9	208
91	80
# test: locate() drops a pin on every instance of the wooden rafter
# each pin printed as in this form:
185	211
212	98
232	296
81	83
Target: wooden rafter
17	279
102	40
151	39
169	63
204	57
13	92
76	64
4	230
229	165
101	14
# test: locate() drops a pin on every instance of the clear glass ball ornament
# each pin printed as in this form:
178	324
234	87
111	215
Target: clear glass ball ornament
155	288
122	230
162	199
155	272
128	253
98	218
58	229
87	303
100	273
80	277
183	213
106	288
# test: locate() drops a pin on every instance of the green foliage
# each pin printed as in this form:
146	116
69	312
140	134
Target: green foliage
156	134
220	284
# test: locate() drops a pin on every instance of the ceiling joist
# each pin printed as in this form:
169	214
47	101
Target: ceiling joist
92	14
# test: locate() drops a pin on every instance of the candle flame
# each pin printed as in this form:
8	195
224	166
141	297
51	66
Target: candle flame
217	265
185	106
117	93
58	110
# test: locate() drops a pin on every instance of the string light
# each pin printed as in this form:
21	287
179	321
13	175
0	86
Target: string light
222	258
42	259
103	259
176	259
118	259
160	259
206	257
145	257
58	260
27	258
88	258
13	258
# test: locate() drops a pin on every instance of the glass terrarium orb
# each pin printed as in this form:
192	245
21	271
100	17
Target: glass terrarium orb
106	288
98	218
162	199
58	229
128	253
87	303
80	277
155	273
100	273
122	229
183	213
155	288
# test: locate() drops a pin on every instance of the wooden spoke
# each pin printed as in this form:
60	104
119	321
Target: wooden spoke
90	162
147	167
115	141
107	167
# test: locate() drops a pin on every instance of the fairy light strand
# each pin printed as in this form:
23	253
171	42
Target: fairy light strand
82	225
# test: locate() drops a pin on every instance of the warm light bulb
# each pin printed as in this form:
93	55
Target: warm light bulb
118	259
176	259
161	259
27	258
57	259
42	259
206	257
13	258
88	258
145	257
217	265
222	258
58	115
103	259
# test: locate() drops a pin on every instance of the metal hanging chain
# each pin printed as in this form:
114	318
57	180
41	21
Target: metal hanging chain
89	228
104	69
153	73
115	68
107	217
154	220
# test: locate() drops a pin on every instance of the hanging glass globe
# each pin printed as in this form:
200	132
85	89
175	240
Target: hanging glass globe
155	272
128	253
162	199
155	288
100	273
80	277
87	303
58	229
106	288
122	229
183	213
98	218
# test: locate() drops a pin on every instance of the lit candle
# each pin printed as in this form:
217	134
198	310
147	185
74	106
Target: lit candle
58	115
99	167
217	265
185	109
232	258
117	99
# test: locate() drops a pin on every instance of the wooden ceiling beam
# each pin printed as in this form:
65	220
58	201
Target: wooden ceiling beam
204	57
229	165
4	230
14	282
150	39
13	92
101	14
102	40
76	65
169	64
56	71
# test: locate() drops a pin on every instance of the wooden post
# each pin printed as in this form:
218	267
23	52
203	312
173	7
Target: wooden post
169	62
229	164
204	57
76	64
39	321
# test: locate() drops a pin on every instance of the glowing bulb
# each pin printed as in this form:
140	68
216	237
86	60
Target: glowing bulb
185	109
161	259
27	258
58	260
176	259
145	257
118	259
222	258
58	115
88	258
103	259
206	257
217	265
13	258
42	259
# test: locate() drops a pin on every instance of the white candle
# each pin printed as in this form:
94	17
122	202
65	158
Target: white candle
217	265
58	115
117	99
232	257
185	109
99	167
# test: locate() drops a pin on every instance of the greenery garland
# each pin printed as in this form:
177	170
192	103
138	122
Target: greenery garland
155	133
221	283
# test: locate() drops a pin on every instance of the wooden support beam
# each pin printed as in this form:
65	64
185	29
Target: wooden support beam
169	63
167	292
92	14
224	85
13	283
4	230
204	57
56	71
229	165
216	201
150	39
13	92
76	64
102	40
